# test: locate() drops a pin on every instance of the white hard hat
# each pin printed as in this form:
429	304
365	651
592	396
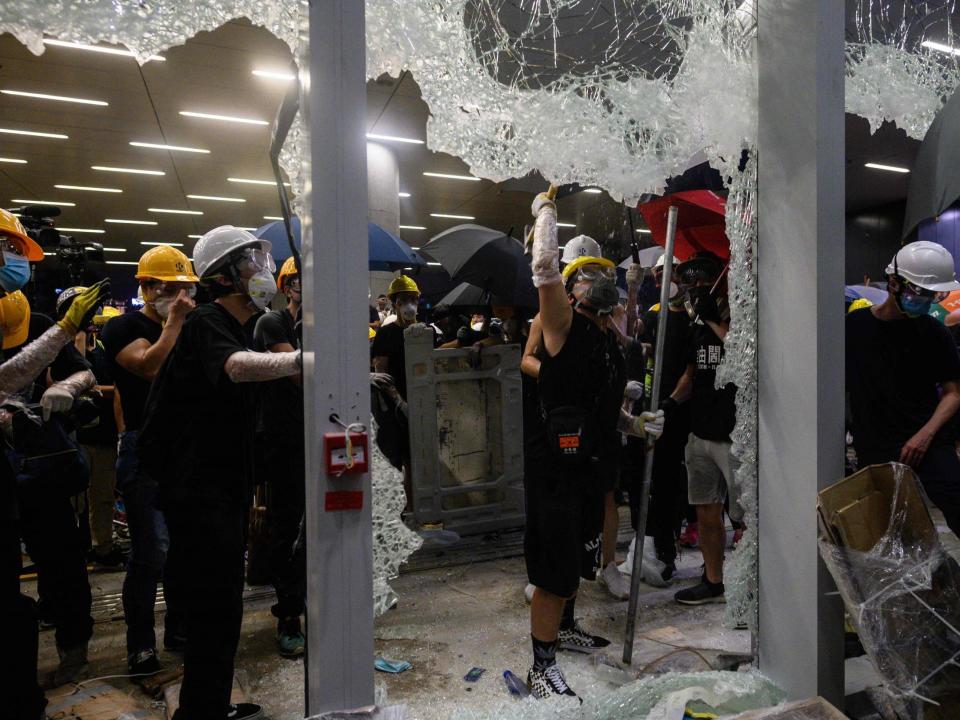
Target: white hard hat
926	265
661	261
581	246
214	247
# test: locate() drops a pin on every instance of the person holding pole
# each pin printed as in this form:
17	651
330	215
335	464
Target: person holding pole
580	387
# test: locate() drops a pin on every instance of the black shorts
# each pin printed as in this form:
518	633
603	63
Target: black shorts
564	524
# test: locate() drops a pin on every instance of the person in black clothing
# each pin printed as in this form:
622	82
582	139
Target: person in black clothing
136	345
580	381
903	377
280	442
198	441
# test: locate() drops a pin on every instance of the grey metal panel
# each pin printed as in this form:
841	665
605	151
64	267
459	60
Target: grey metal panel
339	544
801	336
466	435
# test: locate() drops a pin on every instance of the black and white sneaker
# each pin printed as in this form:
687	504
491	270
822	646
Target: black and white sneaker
548	682
144	662
579	640
245	711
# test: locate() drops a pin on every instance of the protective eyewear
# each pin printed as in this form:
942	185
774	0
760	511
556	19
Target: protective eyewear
8	245
695	275
923	292
596	272
171	289
294	284
255	260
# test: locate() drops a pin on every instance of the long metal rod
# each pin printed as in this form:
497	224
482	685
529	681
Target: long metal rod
648	460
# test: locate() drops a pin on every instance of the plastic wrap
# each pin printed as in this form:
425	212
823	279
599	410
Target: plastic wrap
903	597
545	263
22	368
249	366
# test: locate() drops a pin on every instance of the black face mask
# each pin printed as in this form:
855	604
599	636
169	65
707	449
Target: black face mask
701	303
602	297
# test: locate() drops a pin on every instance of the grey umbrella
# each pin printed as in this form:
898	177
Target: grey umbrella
935	180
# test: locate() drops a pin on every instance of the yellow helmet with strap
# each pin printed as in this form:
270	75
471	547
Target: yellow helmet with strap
572	267
14	319
165	262
402	284
288	268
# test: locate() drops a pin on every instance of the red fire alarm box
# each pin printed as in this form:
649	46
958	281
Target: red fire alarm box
335	451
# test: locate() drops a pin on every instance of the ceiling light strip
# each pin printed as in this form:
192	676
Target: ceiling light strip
81	230
217	198
173	244
120	221
44	202
58	98
888	168
453	217
134	171
394	138
34	133
274	74
174	211
97	48
88	188
175	148
16	161
223	118
447	176
249	181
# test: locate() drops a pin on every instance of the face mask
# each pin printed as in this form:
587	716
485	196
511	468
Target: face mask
700	303
162	306
261	288
408	312
914	305
602	295
15	272
478	326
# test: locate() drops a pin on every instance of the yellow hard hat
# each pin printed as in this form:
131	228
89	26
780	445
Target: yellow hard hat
12	228
859	304
571	268
14	319
108	312
165	262
373	333
288	268
402	284
655	308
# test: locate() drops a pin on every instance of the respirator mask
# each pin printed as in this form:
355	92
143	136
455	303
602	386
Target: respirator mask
602	296
256	267
16	268
407	311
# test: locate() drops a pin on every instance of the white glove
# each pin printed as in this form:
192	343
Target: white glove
541	201
56	399
545	261
634	274
634	390
651	423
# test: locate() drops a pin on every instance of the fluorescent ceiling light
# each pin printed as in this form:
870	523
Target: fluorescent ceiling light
130	222
33	133
394	138
97	48
161	146
644	231
411	227
940	46
90	189
172	211
436	264
890	168
403	194
471	178
274	74
122	262
249	229
144	242
593	191
560	224
60	98
217	198
272	217
414	248
453	217
224	118
44	202
248	181
195	237
53	254
13	160
106	249
135	171
81	230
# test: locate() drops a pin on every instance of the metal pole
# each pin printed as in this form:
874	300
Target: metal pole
648	460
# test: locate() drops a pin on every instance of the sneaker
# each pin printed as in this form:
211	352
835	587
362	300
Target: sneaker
548	682
690	537
528	592
579	640
737	536
144	662
73	663
614	581
701	594
245	711
113	559
290	639
669	570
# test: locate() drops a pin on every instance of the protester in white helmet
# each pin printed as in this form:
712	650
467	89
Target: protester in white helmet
198	439
903	376
578	247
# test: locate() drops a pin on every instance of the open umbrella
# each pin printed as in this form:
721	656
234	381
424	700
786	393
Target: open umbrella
867	292
488	259
467	295
701	223
648	257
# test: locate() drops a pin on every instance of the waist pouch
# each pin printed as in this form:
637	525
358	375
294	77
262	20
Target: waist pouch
44	459
569	433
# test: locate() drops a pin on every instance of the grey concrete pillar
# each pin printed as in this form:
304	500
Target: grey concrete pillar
339	537
801	336
383	202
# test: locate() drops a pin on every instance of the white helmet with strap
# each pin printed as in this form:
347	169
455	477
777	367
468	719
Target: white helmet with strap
925	264
214	248
580	246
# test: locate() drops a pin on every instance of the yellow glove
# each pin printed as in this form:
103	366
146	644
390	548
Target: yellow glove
84	307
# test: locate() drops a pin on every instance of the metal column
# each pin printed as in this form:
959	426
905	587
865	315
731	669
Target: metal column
801	335
339	544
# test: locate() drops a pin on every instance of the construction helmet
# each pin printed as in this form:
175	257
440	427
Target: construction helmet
214	249
12	228
65	299
106	314
925	264
859	304
165	262
14	319
580	246
288	268
402	284
662	260
572	267
373	333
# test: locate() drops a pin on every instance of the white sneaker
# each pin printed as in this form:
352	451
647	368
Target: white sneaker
651	568
615	582
528	592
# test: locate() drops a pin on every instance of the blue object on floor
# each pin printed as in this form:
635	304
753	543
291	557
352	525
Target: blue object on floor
391	666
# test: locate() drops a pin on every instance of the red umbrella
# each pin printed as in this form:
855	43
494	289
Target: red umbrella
701	223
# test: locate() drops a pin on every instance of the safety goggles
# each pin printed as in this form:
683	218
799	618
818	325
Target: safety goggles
596	272
8	245
254	260
923	293
170	289
696	275
294	284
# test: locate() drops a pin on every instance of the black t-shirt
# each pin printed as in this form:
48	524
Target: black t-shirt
280	402
118	334
389	343
374	315
675	350
893	370
198	434
67	362
104	433
713	411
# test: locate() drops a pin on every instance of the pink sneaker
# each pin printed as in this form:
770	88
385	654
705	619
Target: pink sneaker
690	537
737	536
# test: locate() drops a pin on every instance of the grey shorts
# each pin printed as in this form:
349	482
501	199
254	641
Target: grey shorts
711	469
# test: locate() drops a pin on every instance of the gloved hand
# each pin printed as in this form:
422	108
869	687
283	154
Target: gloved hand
704	304
542	201
650	424
56	399
634	275
383	382
634	390
669	406
84	307
495	327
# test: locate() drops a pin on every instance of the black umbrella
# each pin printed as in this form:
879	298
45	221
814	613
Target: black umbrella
467	295
935	180
489	259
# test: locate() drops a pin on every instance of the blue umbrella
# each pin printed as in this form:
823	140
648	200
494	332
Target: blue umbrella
387	251
875	295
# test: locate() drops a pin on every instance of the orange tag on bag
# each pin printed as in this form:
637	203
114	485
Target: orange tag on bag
569	442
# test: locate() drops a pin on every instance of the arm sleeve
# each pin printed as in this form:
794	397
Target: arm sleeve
31	360
77	383
546	255
248	366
